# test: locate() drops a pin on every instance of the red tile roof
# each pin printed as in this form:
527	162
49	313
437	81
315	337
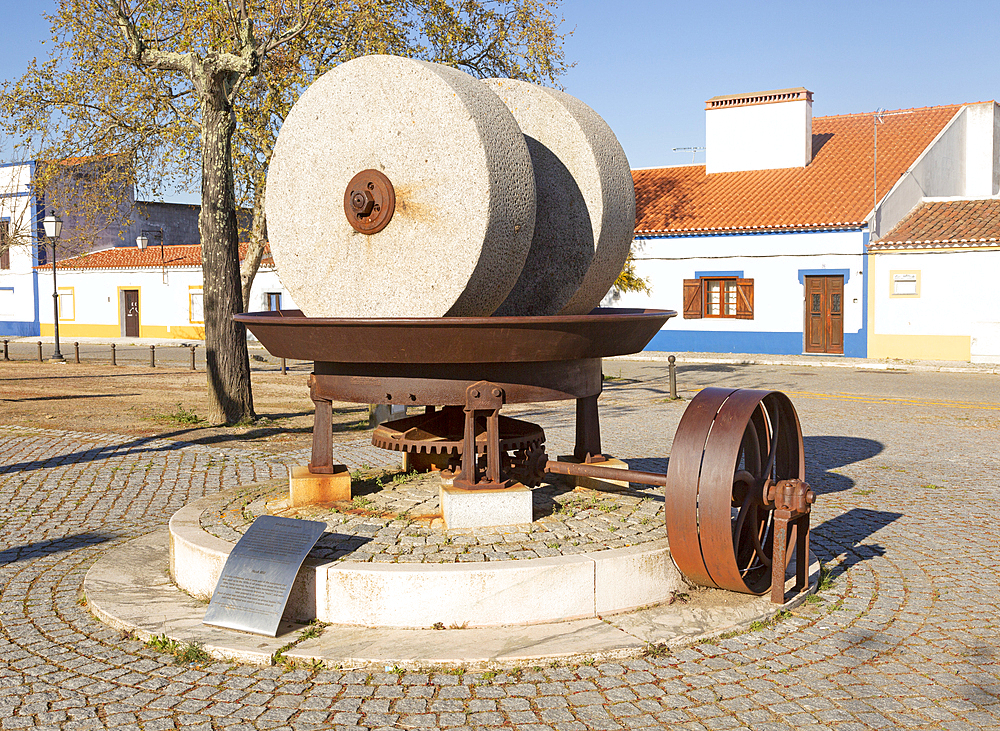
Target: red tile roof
833	191
130	257
946	224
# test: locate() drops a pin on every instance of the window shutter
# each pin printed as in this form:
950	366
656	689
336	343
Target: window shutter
692	299
744	299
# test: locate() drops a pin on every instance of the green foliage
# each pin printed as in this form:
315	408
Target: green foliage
768	623
184	654
183	416
629	280
825	581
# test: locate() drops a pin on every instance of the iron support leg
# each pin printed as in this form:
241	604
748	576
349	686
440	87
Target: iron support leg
778	553
588	430
322	443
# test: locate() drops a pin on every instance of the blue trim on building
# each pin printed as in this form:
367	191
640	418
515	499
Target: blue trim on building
803	273
860	350
38	204
738	274
714	341
763	343
856	344
19	329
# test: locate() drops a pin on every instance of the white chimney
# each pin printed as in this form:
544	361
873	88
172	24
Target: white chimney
982	150
761	131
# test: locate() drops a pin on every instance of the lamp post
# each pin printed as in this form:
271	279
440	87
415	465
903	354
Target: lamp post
53	228
142	241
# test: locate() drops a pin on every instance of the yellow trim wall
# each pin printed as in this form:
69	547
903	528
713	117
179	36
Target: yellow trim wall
71	329
920	347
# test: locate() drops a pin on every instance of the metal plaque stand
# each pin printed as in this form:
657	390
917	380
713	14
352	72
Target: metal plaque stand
257	578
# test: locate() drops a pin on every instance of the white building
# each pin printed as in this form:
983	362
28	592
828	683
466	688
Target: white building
766	248
25	299
932	281
151	293
20	223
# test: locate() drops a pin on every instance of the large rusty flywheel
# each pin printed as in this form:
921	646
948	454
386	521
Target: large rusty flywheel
731	450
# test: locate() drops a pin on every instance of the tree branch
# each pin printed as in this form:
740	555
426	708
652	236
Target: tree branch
141	54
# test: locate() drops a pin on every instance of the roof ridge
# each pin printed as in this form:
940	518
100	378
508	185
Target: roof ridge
896	111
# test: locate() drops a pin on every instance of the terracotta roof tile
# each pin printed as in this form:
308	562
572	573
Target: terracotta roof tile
130	257
834	190
946	223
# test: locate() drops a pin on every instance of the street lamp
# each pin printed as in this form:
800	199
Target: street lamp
142	241
53	227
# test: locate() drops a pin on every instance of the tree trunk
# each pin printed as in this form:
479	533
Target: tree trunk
257	241
226	357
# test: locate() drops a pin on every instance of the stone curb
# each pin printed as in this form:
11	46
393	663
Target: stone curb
129	589
418	596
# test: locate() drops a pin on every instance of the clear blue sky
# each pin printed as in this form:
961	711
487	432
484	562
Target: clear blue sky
647	66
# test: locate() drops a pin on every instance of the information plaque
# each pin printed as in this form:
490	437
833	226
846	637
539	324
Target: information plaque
257	577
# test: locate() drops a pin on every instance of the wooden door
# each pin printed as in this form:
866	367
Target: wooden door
824	324
130	306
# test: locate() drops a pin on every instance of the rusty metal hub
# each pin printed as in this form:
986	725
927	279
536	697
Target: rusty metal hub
369	201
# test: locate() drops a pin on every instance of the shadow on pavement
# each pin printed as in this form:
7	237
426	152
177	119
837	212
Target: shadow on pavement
826	454
70	397
850	529
38	549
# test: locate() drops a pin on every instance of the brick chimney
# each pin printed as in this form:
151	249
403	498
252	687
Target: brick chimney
765	130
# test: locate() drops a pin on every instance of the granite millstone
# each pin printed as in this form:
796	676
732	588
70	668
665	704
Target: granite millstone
462	175
585	210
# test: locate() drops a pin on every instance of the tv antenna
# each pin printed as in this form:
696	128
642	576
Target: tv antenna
878	117
694	150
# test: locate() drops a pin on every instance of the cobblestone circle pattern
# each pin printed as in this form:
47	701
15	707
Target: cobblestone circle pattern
906	636
385	526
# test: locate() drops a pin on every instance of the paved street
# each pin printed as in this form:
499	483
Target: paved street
905	464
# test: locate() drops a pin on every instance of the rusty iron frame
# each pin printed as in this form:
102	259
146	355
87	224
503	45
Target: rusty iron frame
734	449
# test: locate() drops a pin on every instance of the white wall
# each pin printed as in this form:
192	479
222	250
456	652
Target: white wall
97	299
17	291
758	136
956	298
963	160
775	265
267	281
164	307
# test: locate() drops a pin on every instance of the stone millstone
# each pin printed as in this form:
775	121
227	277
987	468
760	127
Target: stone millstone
463	182
585	210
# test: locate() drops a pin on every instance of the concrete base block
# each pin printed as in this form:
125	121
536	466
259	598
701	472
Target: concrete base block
309	488
484	508
596	483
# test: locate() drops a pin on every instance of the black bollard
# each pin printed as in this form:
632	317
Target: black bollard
192	356
76	350
152	356
6	355
39	351
113	362
672	373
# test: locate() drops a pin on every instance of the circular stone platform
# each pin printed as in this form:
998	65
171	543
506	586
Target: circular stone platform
385	560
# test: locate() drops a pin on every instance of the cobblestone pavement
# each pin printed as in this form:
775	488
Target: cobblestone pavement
385	526
906	636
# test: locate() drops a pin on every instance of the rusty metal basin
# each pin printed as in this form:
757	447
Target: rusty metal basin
603	333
